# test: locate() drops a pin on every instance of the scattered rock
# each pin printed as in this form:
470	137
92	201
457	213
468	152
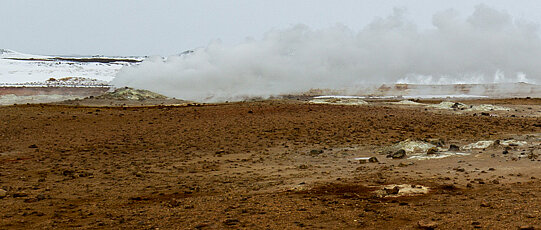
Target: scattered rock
19	194
432	150
303	166
373	160
221	151
138	174
231	222
315	152
3	193
392	191
402	164
427	224
454	148
436	142
399	154
485	204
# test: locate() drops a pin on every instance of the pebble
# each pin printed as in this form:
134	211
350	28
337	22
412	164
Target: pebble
432	150
427	224
454	148
399	154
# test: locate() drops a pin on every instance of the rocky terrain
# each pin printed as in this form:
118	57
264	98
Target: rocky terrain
275	164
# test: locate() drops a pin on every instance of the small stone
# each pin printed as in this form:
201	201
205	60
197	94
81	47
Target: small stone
316	151
485	204
399	154
221	151
432	150
33	146
138	174
303	166
526	227
495	181
454	148
427	224
3	193
231	222
373	160
505	152
392	191
436	142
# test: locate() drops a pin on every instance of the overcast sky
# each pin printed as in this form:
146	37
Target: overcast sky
165	27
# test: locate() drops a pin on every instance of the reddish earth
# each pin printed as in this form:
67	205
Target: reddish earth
251	165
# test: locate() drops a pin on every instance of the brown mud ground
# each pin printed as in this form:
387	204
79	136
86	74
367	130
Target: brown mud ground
251	166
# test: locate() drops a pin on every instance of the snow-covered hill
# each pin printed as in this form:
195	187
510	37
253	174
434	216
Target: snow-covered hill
16	68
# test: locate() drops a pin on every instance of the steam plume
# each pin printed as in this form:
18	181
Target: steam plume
488	46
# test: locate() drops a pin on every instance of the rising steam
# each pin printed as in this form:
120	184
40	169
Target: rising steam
487	47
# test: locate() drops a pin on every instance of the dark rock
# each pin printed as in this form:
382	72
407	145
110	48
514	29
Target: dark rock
454	148
231	222
221	151
316	151
392	191
399	154
373	160
303	166
432	150
33	146
15	195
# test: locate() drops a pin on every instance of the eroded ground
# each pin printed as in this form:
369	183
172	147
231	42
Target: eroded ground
266	165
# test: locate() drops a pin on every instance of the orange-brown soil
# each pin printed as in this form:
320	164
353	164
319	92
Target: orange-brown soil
251	165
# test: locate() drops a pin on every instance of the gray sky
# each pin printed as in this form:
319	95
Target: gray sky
165	27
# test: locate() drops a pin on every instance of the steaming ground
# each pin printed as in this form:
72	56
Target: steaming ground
486	47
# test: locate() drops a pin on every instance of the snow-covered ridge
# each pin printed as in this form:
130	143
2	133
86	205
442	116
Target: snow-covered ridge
18	69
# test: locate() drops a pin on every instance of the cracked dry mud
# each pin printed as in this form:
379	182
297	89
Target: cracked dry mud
264	165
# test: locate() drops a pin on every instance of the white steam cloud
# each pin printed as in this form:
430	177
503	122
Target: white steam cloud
489	46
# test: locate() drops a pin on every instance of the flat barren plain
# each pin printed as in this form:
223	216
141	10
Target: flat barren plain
274	164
